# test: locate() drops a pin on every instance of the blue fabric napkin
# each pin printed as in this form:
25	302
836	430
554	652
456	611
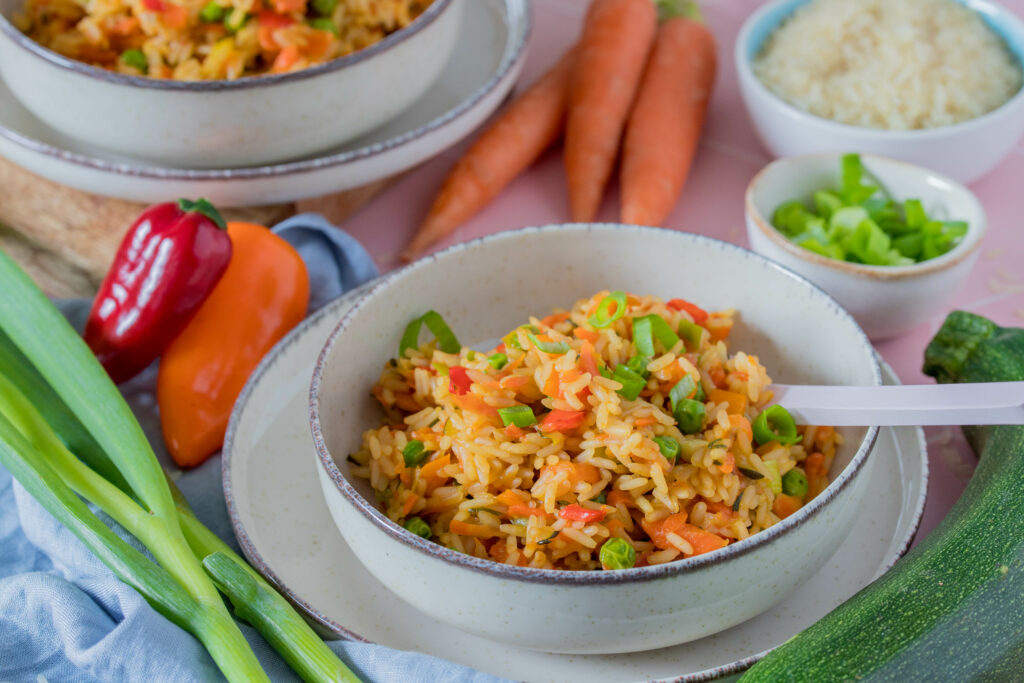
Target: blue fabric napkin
64	616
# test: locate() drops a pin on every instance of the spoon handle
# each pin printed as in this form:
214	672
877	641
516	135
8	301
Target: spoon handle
989	403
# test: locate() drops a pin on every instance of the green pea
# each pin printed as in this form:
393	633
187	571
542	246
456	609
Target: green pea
414	453
212	13
324	24
417	526
794	483
617	554
135	58
690	415
324	8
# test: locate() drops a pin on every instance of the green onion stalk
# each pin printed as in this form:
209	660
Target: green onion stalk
66	431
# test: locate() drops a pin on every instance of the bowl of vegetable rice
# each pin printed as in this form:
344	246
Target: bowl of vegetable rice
565	438
194	84
892	242
932	82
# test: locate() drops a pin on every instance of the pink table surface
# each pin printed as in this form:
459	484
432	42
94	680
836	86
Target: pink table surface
712	204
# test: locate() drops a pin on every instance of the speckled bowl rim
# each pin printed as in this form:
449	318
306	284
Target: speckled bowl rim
222	85
970	244
552	576
745	72
257	560
515	52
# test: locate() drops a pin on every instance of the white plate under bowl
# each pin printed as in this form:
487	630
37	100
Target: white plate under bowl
286	532
482	70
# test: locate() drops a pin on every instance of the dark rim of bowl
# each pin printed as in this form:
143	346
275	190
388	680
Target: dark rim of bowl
514	54
436	8
554	576
744	66
951	258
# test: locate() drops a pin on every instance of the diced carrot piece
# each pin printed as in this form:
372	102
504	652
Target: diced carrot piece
644	422
620	498
814	465
721	509
407	403
514	381
718	326
736	403
514	432
520	510
430	471
286	58
410	502
475	530
588	359
587	335
728	463
702	541
175	16
578	471
510	497
785	505
741	423
474	404
287	6
553	319
659	531
318	43
551	386
717	374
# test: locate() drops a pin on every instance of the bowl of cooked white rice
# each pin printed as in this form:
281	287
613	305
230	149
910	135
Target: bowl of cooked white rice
933	82
506	470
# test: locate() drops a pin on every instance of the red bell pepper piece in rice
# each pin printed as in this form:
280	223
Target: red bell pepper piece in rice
458	380
562	420
167	264
578	513
698	314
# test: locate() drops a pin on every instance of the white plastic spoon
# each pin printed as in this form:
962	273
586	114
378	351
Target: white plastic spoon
990	403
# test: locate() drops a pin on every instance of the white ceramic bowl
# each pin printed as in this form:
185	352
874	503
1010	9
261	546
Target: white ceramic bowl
248	121
964	151
485	287
885	300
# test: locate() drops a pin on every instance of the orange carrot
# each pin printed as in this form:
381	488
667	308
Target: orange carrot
735	403
785	505
476	530
644	422
659	531
664	127
512	497
514	141
553	319
410	503
617	35
520	510
588	359
620	498
702	541
588	335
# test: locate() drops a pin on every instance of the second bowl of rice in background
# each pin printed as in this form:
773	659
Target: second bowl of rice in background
932	82
585	459
194	85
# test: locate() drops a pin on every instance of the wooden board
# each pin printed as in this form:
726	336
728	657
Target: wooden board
66	239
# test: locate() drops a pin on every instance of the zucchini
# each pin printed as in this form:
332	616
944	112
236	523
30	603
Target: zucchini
953	608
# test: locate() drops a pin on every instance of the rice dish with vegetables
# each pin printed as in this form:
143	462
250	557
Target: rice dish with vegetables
619	433
212	39
893	65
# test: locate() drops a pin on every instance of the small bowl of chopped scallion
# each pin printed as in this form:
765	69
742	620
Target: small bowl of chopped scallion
892	242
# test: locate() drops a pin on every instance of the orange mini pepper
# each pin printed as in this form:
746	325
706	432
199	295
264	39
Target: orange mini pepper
262	295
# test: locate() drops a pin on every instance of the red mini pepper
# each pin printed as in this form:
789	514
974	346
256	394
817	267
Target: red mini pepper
698	314
459	382
167	264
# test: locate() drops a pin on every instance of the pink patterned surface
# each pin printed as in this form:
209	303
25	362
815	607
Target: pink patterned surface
712	204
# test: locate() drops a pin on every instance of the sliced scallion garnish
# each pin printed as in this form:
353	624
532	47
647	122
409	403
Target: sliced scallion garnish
611	308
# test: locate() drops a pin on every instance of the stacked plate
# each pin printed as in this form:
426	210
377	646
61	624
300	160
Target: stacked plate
487	58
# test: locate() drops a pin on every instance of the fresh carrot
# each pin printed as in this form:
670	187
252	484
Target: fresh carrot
285	59
431	470
617	36
515	140
588	335
620	498
553	319
473	404
814	465
588	359
664	127
410	503
577	471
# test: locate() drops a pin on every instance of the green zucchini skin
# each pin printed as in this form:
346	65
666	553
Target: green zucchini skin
952	609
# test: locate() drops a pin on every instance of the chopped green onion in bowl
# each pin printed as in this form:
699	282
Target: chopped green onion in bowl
857	223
